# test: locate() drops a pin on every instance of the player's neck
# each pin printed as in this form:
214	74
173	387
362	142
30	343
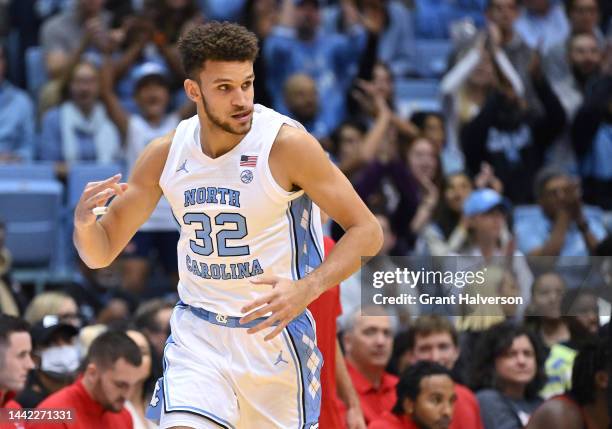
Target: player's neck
215	141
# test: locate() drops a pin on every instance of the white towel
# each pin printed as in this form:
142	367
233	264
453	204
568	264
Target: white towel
105	135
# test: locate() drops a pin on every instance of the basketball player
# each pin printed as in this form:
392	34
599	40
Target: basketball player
244	184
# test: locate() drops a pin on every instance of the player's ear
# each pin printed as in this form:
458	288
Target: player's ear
192	90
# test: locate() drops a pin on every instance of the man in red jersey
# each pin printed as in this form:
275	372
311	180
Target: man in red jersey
368	342
425	400
15	363
97	398
433	338
335	380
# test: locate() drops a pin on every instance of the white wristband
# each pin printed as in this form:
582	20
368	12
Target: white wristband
99	211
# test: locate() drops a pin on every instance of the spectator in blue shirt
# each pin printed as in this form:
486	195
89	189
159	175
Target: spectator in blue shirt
302	100
435	17
561	227
583	16
394	30
223	10
16	120
542	24
298	46
592	138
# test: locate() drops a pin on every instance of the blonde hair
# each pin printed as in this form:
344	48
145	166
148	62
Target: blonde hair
480	317
88	334
44	304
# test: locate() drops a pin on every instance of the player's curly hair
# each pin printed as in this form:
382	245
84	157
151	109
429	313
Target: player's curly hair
217	41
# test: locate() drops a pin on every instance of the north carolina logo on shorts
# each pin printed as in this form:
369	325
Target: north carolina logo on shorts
246	176
221	318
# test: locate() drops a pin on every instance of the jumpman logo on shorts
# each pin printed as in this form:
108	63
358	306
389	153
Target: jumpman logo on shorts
183	167
280	359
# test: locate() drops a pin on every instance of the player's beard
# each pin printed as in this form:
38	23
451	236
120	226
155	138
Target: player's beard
218	122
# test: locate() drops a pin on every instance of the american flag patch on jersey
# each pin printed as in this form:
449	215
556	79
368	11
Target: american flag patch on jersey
248	160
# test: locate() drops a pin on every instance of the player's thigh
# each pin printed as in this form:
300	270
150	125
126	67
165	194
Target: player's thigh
278	381
195	377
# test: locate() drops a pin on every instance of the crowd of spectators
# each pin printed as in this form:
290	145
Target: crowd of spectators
511	173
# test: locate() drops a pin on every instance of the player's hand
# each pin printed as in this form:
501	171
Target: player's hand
96	194
355	419
287	300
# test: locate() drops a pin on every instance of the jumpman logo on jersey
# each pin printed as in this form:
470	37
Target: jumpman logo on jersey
280	359
183	167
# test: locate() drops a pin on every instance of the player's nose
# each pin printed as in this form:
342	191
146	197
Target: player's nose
240	98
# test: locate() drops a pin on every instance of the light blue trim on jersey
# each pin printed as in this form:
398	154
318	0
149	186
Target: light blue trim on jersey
298	371
293	249
194	410
307	250
315	238
178	224
296	330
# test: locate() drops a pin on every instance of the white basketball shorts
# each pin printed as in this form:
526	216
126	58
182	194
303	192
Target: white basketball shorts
218	374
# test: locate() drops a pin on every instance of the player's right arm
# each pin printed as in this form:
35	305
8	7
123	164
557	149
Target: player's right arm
99	242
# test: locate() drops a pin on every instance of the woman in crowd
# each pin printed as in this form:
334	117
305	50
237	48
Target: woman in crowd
489	240
447	232
423	161
471	80
142	391
381	85
53	303
507	374
79	128
432	126
475	319
544	312
356	145
413	185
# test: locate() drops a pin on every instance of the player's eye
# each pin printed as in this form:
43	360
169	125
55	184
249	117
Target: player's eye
246	85
223	87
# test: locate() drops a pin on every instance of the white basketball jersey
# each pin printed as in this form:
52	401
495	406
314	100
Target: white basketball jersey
236	222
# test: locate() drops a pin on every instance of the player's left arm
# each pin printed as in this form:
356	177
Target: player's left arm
298	161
